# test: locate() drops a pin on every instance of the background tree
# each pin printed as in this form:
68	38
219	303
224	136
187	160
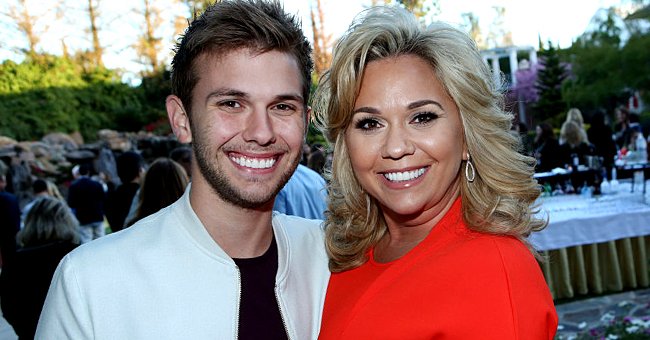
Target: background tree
149	44
31	22
499	35
598	62
635	66
471	24
50	93
550	76
73	92
419	8
322	40
181	21
97	51
198	6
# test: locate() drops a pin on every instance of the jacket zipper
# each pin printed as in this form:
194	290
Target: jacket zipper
238	303
284	323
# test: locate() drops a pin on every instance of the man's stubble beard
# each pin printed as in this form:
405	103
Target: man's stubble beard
224	188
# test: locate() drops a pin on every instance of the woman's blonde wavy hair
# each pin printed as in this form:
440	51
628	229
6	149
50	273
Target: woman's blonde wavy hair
501	198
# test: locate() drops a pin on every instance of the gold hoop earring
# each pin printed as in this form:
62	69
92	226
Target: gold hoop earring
468	166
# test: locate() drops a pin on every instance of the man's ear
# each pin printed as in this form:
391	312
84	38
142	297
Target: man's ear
178	119
307	120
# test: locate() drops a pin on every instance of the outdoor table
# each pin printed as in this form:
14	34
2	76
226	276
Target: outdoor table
595	245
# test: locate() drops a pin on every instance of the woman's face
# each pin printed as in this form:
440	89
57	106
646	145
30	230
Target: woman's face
405	139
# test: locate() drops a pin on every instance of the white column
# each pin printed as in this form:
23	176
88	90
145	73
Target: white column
532	56
496	70
514	64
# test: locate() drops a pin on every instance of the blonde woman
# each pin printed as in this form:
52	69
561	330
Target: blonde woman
575	115
576	147
50	232
430	202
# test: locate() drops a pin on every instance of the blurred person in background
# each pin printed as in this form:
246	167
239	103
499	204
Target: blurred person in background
600	134
87	197
623	128
546	148
39	189
305	195
49	233
163	183
53	190
9	218
575	115
130	168
576	147
316	160
183	156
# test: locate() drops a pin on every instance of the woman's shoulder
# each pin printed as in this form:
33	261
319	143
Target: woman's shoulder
502	261
491	251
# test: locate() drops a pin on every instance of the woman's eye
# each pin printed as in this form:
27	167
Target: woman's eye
367	124
424	117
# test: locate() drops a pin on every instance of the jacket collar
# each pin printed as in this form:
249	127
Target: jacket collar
189	221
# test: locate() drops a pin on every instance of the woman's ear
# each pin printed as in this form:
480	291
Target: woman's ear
465	149
178	119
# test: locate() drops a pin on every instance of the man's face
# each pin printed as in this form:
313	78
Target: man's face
247	124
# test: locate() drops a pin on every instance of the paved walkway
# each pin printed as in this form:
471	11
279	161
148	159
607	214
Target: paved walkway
584	315
575	317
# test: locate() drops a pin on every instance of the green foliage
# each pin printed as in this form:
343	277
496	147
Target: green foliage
198	6
48	93
597	79
314	136
604	70
635	62
152	93
549	86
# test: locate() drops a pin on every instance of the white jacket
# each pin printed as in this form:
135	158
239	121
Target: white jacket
165	278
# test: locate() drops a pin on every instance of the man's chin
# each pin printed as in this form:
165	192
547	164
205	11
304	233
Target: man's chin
257	200
251	203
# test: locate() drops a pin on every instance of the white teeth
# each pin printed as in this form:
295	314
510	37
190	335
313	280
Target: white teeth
404	176
255	163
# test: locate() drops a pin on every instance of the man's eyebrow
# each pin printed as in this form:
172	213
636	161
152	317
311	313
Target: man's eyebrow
227	92
292	97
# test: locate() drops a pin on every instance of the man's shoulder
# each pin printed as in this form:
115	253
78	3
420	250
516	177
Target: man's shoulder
291	221
296	225
129	242
85	182
304	172
8	197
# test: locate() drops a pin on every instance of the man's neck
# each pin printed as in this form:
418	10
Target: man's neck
241	233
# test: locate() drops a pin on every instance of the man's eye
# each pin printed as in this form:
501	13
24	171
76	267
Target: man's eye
424	117
283	107
367	124
230	103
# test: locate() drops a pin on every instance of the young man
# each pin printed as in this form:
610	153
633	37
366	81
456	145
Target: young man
217	264
86	197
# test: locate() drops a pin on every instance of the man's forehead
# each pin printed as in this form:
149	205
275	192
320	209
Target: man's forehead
245	73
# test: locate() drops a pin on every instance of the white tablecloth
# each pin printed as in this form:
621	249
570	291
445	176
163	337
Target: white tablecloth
577	220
